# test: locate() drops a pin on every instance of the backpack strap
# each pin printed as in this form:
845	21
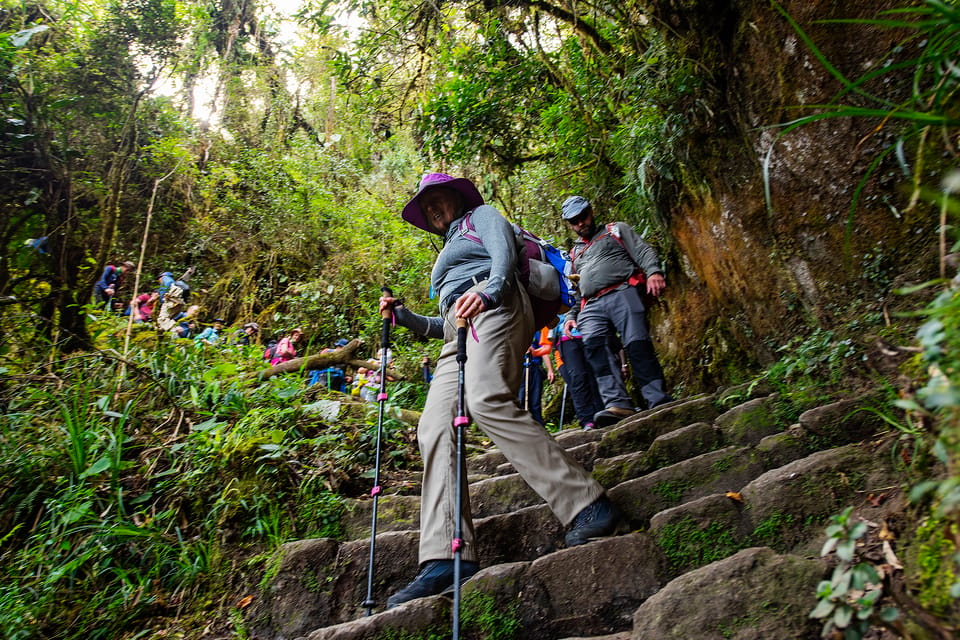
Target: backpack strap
637	278
467	229
609	229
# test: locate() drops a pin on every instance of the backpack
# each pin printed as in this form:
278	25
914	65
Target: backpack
184	287
543	269
271	351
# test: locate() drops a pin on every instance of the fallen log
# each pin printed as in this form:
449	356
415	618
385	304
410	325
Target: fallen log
344	356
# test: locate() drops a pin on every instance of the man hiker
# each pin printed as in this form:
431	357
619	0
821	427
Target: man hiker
477	282
247	333
110	280
614	262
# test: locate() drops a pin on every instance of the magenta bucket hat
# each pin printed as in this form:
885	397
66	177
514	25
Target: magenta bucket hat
412	212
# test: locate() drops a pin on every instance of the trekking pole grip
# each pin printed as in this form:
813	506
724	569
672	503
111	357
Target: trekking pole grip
386	313
461	339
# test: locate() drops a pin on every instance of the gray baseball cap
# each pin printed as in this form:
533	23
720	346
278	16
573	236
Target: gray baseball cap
573	206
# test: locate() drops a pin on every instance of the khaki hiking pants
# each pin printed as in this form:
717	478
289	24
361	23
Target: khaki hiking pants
492	379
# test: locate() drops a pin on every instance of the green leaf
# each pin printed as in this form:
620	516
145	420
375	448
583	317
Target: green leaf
206	425
843	615
889	614
22	37
829	546
940	450
823	609
922	489
841	583
77	512
99	466
845	550
824	589
864	574
858	530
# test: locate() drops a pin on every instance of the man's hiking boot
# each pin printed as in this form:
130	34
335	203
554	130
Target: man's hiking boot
611	415
597	519
435	577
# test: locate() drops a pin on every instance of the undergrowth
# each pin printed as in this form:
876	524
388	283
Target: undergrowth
131	485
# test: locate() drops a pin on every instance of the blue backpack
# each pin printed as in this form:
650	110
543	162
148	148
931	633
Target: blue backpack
543	269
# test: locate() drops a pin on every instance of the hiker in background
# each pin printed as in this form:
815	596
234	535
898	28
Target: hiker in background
367	384
166	281
287	347
613	263
40	245
142	306
572	363
174	295
185	329
210	335
478	282
531	387
110	280
246	334
335	376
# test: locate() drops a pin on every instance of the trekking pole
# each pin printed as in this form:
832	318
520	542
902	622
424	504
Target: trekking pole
563	403
527	362
387	315
461	422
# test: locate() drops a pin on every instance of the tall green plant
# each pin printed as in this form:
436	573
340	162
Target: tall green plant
926	117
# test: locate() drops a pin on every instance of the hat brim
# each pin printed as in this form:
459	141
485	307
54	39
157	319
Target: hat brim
574	210
413	214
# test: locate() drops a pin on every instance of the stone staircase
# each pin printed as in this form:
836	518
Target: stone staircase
725	505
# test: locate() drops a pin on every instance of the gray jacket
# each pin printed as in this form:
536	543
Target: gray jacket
463	262
603	261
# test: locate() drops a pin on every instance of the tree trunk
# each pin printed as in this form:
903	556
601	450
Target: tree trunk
322	361
69	254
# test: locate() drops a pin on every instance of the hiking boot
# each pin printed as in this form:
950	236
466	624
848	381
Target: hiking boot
597	519
435	577
612	415
589	426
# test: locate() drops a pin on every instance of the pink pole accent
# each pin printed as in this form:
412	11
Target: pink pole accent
460	421
377	490
456	544
381	396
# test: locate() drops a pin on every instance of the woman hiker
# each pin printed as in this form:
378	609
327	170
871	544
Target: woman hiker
476	282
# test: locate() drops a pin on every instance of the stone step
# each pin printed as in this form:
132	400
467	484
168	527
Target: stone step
571	592
754	594
505	491
683	523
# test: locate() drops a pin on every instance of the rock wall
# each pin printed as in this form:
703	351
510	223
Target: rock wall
744	275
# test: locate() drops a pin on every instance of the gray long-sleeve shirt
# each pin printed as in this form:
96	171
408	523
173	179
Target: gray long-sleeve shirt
462	259
603	261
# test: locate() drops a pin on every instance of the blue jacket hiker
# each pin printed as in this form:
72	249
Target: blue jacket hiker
106	287
210	335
